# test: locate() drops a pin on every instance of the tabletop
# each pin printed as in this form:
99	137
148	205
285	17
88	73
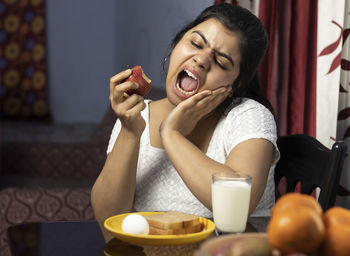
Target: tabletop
72	238
56	238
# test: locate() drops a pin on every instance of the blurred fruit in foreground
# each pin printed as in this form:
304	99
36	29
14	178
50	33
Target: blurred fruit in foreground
337	238
253	246
336	216
296	224
292	199
249	244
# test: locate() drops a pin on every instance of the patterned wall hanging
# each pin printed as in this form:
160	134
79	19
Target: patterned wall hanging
23	68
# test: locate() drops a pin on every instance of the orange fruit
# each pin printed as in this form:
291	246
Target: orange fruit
293	199
298	229
336	242
337	216
337	237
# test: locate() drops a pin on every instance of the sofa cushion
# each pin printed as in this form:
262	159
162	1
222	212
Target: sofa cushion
36	204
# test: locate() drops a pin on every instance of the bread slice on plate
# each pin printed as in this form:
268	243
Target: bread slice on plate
181	231
173	223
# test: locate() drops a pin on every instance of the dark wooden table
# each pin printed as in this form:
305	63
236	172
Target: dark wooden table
70	238
57	238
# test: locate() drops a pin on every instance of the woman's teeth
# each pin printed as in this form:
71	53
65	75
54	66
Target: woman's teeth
181	90
190	74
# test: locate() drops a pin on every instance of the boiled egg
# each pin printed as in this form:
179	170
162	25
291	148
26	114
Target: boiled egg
135	224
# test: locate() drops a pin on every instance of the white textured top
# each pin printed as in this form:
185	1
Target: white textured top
160	188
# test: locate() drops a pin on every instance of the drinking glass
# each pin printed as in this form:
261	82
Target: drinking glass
230	201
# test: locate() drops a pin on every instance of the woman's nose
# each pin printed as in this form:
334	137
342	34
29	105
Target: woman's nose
202	60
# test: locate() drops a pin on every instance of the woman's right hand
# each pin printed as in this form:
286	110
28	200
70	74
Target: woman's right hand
127	107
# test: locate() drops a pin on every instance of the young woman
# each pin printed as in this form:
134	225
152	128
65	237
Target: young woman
161	154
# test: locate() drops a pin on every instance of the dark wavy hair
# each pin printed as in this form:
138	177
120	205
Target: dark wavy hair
253	44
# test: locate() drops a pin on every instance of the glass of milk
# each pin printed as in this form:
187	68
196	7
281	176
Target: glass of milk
230	201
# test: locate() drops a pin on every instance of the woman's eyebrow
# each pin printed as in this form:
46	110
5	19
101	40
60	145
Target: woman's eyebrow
217	52
202	36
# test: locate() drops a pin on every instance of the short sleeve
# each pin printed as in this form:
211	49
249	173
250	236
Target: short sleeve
114	135
249	120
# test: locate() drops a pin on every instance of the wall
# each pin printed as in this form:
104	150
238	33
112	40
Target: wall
91	40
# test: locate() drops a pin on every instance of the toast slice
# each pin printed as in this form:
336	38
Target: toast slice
172	220
181	231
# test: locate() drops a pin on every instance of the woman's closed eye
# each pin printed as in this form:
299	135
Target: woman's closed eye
196	44
221	65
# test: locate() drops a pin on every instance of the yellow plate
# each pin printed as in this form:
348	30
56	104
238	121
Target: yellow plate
114	224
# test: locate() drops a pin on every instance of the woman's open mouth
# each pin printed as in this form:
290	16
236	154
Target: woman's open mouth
187	83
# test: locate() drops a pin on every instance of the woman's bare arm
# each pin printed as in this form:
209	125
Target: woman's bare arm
252	157
114	189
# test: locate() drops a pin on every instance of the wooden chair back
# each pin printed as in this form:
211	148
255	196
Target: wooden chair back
304	159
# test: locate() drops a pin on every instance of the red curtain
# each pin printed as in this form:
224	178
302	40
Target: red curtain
288	71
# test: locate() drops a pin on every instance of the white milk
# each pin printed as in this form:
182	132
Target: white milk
230	201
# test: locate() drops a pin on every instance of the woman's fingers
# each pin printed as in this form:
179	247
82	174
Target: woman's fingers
137	108
118	78
205	102
129	103
129	113
222	89
190	102
120	101
214	97
117	87
119	91
217	96
127	107
201	95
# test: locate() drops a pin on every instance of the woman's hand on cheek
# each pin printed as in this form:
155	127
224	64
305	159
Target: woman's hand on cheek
128	108
184	117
